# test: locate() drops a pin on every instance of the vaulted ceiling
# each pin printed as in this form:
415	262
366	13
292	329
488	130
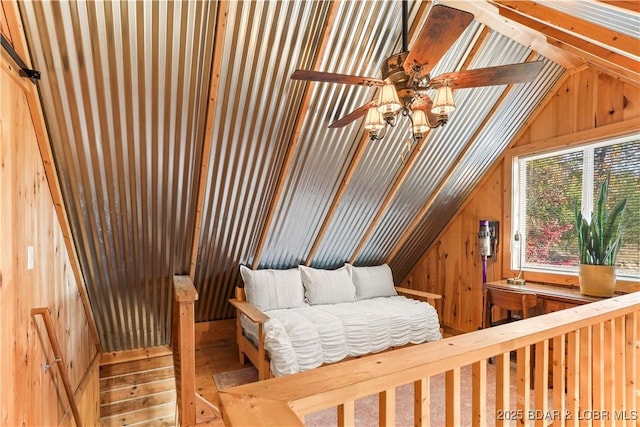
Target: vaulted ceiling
182	145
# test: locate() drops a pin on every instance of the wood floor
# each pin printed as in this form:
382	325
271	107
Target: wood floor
213	358
142	392
139	392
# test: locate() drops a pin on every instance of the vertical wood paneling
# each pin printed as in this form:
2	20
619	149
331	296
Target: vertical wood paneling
610	105
452	266
632	99
29	395
584	99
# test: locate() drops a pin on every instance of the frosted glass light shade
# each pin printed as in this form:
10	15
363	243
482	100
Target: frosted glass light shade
373	122
443	103
420	125
388	102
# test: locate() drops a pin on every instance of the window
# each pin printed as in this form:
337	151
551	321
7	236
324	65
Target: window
544	190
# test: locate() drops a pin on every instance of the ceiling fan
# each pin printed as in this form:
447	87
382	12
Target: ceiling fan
406	77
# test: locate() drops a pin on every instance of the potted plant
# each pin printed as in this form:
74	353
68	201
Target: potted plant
599	241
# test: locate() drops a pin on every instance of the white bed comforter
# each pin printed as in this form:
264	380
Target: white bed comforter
299	339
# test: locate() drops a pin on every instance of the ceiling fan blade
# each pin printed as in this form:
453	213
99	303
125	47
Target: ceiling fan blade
355	114
490	76
320	76
442	28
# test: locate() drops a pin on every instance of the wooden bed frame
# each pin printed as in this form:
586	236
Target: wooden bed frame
257	355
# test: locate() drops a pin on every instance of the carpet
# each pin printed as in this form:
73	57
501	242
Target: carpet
234	378
366	408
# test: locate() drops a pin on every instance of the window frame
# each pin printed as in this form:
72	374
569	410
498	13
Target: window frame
547	146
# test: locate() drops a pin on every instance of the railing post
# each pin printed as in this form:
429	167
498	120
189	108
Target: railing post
184	358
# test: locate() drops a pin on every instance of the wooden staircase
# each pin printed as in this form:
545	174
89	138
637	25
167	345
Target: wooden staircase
138	392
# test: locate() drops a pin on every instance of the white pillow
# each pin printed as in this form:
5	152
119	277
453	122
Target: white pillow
372	282
273	289
327	286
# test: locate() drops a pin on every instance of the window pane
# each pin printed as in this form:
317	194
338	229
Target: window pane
552	185
547	187
622	161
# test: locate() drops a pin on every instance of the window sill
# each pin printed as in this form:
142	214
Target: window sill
569	279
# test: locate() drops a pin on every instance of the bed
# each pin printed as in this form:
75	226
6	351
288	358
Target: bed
293	320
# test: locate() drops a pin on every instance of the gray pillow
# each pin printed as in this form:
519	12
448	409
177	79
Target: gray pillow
273	289
327	286
372	282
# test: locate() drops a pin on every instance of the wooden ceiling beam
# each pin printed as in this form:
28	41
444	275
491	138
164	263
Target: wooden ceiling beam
408	165
214	83
631	77
295	140
427	205
590	52
487	13
571	24
18	38
630	5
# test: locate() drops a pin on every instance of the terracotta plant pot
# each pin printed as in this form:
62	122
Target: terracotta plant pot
597	280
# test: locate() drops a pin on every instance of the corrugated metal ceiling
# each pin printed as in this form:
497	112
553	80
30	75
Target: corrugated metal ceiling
600	13
126	110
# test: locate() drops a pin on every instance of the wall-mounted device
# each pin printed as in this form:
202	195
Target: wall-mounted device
488	238
518	280
487	243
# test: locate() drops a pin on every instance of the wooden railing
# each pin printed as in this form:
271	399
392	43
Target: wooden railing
592	353
58	359
192	408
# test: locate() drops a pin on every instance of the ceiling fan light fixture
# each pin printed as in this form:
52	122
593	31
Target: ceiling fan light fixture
420	124
388	103
443	103
374	122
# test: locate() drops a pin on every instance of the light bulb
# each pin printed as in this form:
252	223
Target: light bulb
443	103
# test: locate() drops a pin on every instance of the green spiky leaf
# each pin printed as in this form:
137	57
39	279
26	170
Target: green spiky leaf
599	239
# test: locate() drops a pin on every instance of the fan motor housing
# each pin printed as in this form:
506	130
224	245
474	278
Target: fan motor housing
392	71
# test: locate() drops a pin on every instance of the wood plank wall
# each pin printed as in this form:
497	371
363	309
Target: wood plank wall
30	395
586	99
